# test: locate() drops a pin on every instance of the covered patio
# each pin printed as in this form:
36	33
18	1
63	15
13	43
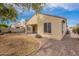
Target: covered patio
32	28
32	25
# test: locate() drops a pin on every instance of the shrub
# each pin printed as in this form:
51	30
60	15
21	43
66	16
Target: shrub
38	36
74	30
9	31
77	30
3	26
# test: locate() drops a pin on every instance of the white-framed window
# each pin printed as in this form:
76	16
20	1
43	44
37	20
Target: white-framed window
47	27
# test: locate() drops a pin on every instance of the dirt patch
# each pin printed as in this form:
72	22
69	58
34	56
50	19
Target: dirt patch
66	47
17	45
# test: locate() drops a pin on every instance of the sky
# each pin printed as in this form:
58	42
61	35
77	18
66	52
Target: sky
68	10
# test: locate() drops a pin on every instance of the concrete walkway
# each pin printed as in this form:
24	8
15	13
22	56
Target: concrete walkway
66	47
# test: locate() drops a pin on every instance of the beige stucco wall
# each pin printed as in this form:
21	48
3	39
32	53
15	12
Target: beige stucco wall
56	27
33	20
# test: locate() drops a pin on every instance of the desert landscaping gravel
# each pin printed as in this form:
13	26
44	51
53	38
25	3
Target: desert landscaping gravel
17	45
66	47
27	45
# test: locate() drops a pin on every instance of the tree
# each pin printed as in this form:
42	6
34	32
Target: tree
76	29
35	6
7	13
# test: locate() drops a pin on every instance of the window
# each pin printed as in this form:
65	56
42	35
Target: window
29	28
47	27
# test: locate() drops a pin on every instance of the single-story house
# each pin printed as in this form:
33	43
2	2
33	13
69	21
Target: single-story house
47	26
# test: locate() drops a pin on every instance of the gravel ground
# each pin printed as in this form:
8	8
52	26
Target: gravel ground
17	44
66	47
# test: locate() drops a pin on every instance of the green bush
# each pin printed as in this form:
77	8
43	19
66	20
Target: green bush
74	30
38	36
77	30
3	26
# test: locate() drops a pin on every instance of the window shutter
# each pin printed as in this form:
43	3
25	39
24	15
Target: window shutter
45	27
49	28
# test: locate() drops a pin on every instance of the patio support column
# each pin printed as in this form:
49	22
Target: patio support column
26	29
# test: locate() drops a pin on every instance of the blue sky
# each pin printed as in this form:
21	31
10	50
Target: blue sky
67	10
